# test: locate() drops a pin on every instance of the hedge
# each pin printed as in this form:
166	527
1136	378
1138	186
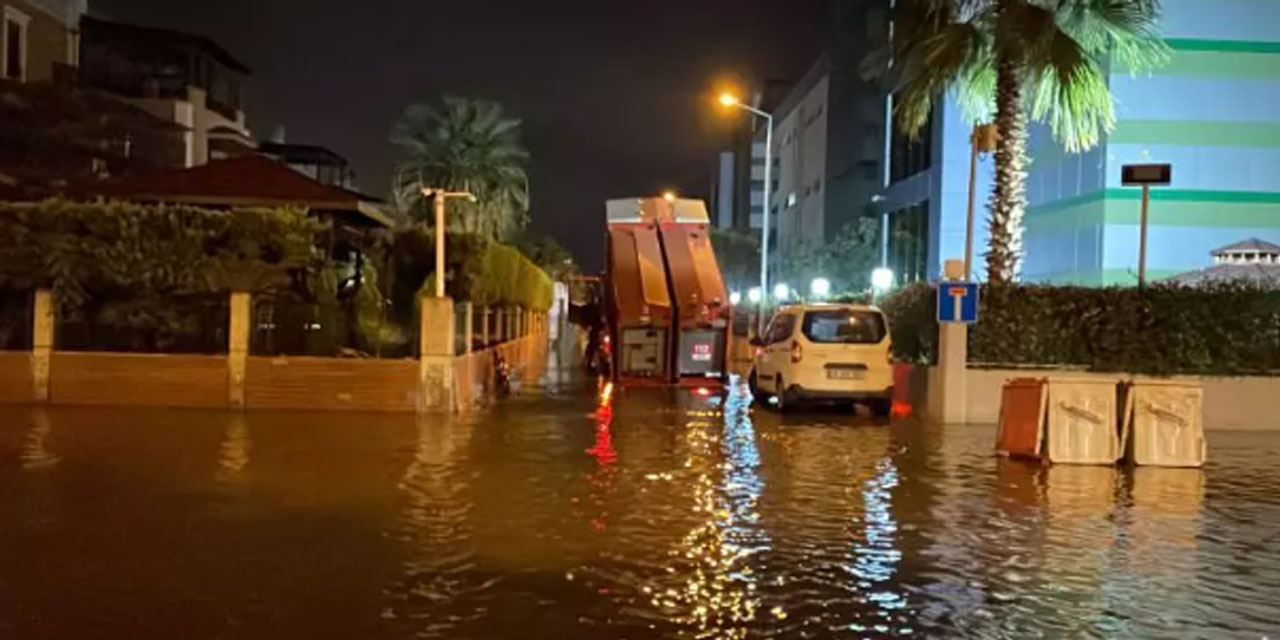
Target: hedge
479	270
1225	329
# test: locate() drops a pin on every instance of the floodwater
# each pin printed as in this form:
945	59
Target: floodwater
585	513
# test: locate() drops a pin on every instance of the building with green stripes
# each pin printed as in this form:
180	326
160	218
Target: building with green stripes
1213	113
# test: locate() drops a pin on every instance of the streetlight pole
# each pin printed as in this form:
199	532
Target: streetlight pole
729	100
440	196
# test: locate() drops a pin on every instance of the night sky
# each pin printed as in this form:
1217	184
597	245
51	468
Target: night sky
616	100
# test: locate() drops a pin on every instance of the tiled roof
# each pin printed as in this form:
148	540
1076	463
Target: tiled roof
249	180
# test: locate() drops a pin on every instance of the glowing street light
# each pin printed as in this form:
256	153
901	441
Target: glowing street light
669	195
820	287
729	100
753	294
781	292
882	279
734	298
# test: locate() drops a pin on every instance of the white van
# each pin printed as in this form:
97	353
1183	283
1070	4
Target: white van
825	352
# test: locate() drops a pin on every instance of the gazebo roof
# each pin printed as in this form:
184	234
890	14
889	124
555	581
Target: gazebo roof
1252	245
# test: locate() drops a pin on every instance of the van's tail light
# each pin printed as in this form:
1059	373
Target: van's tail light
797	352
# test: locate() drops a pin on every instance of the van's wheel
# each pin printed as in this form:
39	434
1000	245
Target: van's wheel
753	383
881	407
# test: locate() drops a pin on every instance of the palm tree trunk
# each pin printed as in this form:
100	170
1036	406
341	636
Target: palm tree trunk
1009	197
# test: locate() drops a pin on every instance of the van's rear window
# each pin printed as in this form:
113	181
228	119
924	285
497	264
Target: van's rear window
843	326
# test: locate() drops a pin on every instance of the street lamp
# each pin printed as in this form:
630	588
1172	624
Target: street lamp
753	295
669	195
730	100
441	195
781	292
735	298
882	279
820	288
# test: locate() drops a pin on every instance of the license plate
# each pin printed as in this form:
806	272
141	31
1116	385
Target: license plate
845	374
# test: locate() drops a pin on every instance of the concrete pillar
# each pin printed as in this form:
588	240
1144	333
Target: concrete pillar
468	326
948	395
238	347
42	323
436	357
484	325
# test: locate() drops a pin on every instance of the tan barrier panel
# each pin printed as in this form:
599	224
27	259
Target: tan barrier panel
1082	425
15	377
1166	422
137	379
331	383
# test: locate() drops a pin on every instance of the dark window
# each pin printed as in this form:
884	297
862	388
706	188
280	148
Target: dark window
843	326
783	325
12	50
909	243
907	156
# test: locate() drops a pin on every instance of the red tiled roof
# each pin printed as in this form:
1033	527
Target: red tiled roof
247	180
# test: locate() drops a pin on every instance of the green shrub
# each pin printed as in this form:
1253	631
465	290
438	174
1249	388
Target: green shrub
1227	329
478	270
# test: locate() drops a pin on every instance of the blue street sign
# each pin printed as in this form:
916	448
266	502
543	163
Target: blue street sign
958	302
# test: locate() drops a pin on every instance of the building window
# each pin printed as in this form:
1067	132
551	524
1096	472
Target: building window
908	157
14	51
909	243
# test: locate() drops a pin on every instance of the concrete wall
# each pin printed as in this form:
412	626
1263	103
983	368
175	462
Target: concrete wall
15	377
331	384
138	380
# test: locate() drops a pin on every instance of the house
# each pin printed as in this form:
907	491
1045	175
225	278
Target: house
181	78
39	38
1254	261
318	163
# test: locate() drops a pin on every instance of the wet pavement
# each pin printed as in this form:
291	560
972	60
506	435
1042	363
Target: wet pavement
585	513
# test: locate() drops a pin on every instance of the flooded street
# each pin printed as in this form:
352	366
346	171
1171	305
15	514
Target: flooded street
635	514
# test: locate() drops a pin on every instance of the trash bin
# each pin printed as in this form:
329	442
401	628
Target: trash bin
1082	427
1166	424
1022	408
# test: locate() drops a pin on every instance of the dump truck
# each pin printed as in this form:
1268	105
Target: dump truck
667	308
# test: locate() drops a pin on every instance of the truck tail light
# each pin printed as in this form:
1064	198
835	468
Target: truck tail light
797	352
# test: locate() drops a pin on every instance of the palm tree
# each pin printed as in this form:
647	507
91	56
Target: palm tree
467	145
1047	59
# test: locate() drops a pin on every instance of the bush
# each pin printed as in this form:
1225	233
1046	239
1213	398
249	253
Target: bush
481	271
1226	329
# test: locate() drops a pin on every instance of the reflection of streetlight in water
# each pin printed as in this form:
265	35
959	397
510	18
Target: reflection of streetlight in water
716	589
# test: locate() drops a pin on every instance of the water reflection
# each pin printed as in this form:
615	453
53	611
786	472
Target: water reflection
711	586
614	512
233	453
435	531
35	446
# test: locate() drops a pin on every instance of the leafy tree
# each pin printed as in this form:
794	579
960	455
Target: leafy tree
846	260
1046	59
465	144
738	255
546	252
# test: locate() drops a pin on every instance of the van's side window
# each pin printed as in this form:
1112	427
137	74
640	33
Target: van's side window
781	328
